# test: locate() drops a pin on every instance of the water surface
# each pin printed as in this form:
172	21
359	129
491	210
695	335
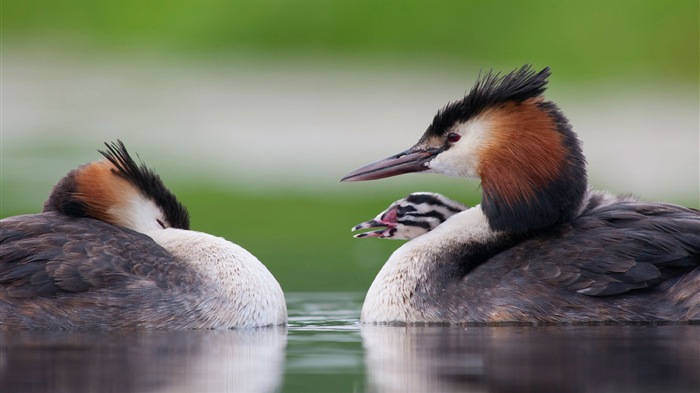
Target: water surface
325	349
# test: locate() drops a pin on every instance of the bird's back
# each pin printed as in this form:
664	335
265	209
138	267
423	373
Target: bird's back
621	261
63	272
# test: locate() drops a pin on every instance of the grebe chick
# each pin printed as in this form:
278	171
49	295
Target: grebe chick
112	249
541	247
410	217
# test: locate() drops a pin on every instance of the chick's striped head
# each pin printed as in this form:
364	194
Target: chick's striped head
410	217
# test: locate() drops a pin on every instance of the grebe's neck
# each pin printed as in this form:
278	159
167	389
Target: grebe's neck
420	265
533	172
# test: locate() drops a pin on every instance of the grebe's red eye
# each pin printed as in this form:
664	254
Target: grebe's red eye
453	137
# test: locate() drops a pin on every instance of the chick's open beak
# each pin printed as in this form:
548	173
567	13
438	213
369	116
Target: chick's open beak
385	231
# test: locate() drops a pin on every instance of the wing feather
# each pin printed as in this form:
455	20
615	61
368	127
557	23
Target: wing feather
641	246
616	248
48	254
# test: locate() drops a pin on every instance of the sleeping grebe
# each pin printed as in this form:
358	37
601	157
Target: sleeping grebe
410	217
112	249
541	247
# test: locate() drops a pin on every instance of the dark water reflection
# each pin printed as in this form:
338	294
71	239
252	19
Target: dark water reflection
189	361
325	349
533	359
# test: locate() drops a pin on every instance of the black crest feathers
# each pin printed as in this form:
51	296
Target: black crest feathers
490	91
148	182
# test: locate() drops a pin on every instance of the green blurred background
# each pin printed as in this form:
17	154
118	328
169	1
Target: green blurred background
251	111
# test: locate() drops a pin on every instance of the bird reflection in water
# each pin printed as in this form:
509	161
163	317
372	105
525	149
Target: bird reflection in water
249	360
532	359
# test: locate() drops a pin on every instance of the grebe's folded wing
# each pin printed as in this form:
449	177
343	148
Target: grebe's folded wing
619	248
49	254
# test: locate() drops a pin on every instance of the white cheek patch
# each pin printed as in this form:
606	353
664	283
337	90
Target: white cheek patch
138	213
462	158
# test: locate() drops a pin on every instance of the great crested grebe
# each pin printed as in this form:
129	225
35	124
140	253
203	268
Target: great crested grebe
410	217
541	247
112	249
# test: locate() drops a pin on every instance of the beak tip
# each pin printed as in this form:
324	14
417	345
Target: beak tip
350	177
398	164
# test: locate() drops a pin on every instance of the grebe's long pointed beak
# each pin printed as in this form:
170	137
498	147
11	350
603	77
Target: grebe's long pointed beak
411	160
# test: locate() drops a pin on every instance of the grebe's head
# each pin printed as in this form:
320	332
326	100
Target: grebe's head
118	190
410	217
505	133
